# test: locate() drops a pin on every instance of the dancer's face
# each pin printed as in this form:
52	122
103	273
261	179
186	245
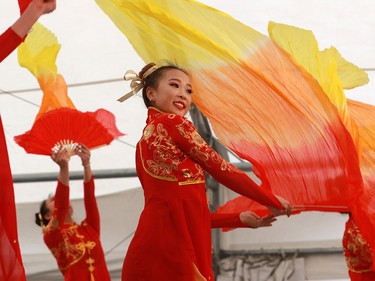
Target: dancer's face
173	93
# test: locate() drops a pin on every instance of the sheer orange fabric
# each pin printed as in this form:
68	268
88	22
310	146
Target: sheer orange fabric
260	102
38	54
276	101
364	209
58	123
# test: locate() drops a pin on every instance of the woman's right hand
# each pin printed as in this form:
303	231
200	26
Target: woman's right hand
45	6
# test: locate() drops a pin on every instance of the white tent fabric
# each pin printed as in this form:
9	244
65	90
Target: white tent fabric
93	58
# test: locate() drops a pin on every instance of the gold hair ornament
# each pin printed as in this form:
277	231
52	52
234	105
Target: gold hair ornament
136	83
41	220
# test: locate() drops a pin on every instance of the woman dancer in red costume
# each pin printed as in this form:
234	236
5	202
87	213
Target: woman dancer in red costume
30	13
76	247
173	237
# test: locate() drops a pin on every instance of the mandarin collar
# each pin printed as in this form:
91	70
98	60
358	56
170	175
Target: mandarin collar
154	113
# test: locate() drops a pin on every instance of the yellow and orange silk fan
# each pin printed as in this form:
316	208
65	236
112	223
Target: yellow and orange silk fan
283	111
335	74
241	79
58	123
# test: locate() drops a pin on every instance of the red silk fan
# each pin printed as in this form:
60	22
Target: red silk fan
67	127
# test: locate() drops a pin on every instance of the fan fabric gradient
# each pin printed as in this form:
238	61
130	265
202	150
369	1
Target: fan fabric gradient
58	122
38	54
242	80
276	101
364	209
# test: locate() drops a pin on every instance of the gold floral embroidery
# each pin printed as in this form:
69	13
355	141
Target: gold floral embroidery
148	131
197	139
189	175
202	150
167	157
90	262
71	249
358	253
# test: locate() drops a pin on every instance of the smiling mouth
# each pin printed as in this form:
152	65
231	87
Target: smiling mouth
179	105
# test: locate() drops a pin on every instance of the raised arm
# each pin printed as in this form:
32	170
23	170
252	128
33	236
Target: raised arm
15	34
61	199
33	12
91	207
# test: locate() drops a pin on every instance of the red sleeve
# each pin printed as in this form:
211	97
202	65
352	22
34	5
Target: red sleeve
9	41
61	203
23	4
61	206
187	138
52	233
226	220
91	207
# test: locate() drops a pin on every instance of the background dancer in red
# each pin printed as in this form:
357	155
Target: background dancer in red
76	247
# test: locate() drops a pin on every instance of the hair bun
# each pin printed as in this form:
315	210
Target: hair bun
146	70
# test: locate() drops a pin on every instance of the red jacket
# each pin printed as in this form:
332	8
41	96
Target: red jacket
173	237
77	248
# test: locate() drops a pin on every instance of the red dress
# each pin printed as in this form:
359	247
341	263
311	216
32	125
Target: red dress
9	41
358	253
173	237
77	248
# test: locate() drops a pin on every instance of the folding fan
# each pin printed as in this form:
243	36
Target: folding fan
66	127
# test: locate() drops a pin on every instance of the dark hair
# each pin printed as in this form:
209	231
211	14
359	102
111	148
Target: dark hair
39	217
152	80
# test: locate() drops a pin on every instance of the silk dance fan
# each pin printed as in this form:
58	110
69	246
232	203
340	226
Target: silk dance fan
58	123
312	153
241	79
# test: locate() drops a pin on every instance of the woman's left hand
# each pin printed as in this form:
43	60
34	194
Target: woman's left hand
254	221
